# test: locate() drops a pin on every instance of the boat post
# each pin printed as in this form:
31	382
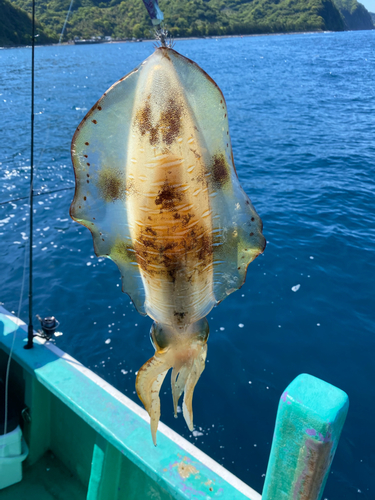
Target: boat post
309	422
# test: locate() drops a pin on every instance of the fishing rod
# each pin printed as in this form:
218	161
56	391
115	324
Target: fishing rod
30	329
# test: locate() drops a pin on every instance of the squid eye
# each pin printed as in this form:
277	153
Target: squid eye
160	336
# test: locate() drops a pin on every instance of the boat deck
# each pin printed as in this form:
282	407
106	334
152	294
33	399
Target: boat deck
47	479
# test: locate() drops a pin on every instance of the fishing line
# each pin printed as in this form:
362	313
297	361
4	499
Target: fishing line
30	197
31	192
66	20
13	341
156	17
37	194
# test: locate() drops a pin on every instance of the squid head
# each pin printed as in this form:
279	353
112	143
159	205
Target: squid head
157	187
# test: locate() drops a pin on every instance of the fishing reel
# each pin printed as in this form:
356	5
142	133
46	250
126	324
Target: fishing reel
49	326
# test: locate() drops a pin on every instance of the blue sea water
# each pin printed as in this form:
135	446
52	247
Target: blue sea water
302	121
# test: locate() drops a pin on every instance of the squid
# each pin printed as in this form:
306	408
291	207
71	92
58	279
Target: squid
157	187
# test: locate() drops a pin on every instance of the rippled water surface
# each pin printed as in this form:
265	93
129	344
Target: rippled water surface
302	121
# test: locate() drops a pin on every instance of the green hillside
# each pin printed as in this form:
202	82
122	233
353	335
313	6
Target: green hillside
15	26
128	18
355	15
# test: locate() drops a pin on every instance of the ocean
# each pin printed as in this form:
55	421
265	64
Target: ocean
302	121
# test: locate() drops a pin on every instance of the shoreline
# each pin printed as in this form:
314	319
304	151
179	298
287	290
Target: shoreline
213	37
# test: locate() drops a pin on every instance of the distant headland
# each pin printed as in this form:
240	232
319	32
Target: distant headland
104	20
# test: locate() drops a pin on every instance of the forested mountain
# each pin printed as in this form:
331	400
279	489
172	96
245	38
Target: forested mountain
128	18
15	26
355	15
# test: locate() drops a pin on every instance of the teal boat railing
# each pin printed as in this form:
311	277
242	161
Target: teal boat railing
103	437
309	422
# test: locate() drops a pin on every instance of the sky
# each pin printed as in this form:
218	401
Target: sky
369	4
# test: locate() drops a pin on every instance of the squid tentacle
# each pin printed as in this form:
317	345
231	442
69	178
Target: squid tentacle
186	355
179	384
148	383
194	375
